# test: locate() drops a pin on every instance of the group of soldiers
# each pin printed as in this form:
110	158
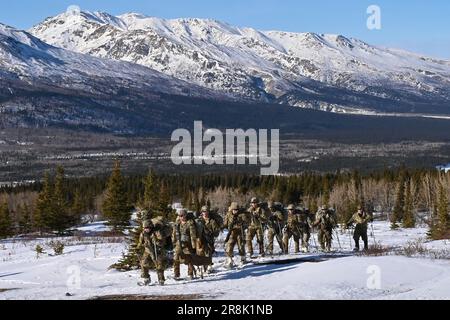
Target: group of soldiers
193	235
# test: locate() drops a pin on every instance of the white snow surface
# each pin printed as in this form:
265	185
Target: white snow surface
51	277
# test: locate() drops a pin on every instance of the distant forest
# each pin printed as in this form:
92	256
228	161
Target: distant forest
406	197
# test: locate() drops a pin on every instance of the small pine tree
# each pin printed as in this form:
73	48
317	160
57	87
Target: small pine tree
25	223
130	259
151	190
78	205
60	218
397	214
44	210
115	205
441	225
409	220
5	221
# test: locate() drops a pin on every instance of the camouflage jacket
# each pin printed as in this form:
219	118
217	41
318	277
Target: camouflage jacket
236	223
277	220
211	228
360	219
325	219
184	236
156	237
258	217
292	223
305	221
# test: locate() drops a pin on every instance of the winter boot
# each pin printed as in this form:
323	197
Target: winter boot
144	282
229	263
161	278
261	249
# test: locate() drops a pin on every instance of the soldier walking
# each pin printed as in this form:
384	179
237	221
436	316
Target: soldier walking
275	224
305	229
235	222
325	221
291	229
184	237
211	230
154	239
361	218
258	220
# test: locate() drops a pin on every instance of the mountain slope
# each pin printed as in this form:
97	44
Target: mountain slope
327	72
41	85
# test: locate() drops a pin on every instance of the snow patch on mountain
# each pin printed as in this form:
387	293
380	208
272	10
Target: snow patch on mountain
261	65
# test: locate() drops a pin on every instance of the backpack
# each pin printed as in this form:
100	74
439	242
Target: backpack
215	215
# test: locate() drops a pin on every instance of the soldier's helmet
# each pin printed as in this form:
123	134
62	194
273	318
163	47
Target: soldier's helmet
182	213
234	206
291	207
254	200
147	224
205	208
323	207
360	208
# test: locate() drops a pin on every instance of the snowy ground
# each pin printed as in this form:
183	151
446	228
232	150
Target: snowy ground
83	272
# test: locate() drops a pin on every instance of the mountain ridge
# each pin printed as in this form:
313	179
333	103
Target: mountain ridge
264	66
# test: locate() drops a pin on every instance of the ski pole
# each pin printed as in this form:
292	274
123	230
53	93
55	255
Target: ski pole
350	237
339	242
314	240
373	234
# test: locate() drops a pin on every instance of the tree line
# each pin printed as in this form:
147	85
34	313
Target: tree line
406	196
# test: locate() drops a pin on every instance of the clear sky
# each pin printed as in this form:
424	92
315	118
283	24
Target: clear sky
417	25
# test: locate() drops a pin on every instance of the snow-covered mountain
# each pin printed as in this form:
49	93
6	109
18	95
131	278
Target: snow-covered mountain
328	72
42	85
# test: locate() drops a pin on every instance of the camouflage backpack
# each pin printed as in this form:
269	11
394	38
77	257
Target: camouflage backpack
215	215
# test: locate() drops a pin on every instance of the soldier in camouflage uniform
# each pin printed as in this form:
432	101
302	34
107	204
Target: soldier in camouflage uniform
361	218
291	229
305	229
235	222
258	218
184	238
326	221
211	230
275	225
153	240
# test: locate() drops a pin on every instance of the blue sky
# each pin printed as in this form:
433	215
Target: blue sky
417	25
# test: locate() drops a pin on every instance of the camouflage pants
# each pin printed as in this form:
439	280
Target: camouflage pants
305	236
287	235
360	232
271	234
251	232
325	238
235	238
158	259
179	258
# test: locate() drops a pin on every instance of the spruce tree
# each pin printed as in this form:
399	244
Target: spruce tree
25	222
397	214
78	205
5	221
44	210
408	211
131	258
60	219
115	205
443	218
151	190
440	227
